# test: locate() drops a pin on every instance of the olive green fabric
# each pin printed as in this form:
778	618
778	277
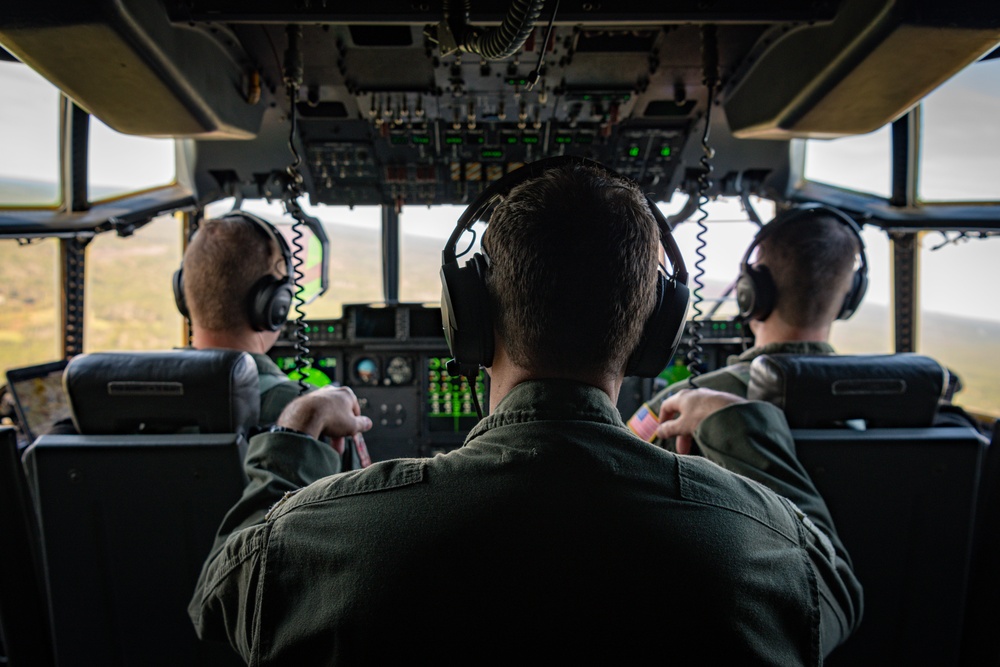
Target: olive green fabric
276	390
553	534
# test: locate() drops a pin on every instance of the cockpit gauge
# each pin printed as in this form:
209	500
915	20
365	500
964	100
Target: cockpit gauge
399	371
366	371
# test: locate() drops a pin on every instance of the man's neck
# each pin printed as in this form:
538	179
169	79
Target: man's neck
246	340
505	375
776	330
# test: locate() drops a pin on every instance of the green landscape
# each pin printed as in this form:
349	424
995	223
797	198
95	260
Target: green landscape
130	302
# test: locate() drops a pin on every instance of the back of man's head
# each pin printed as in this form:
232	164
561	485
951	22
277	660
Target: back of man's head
573	261
812	259
224	261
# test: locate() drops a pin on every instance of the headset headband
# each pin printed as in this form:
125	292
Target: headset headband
811	208
756	291
486	200
465	312
271	232
271	297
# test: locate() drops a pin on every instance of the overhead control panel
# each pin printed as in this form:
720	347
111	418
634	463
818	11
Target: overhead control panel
446	127
384	117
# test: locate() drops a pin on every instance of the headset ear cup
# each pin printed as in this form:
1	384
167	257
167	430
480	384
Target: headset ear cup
465	311
744	295
859	285
270	300
755	292
662	333
179	300
280	305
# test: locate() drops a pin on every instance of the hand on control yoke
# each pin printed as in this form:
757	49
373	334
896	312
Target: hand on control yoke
333	412
681	413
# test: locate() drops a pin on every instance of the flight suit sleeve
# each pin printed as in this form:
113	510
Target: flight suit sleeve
753	440
277	464
731	379
274	400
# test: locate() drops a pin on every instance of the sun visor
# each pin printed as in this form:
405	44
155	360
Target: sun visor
853	75
168	80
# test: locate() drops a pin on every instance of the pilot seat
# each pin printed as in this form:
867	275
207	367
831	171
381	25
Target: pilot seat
902	492
128	509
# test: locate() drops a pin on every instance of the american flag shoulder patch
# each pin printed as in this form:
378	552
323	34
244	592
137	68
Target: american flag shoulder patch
644	422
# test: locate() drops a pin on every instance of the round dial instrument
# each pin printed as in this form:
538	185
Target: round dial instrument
399	370
366	371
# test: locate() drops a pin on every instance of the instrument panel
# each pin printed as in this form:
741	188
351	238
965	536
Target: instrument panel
394	357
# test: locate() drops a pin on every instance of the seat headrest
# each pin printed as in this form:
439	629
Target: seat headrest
817	391
208	391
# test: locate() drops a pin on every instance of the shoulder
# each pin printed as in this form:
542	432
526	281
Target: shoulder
706	483
378	477
732	379
949	414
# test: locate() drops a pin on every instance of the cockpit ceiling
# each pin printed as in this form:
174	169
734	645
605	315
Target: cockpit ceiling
492	12
385	114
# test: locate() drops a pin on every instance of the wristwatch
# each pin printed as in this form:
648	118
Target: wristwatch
278	428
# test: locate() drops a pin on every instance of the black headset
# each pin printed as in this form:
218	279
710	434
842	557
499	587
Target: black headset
465	312
756	292
270	298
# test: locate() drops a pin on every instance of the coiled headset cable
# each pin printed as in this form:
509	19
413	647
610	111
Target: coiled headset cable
710	64
293	76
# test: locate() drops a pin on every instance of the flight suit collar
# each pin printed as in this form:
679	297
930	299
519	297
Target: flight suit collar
557	400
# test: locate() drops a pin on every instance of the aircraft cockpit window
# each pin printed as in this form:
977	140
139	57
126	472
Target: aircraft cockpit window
130	303
120	164
29	303
29	138
959	323
960	138
860	163
422	234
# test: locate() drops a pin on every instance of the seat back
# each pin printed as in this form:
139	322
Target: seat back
903	502
128	512
902	493
24	619
826	390
171	391
981	645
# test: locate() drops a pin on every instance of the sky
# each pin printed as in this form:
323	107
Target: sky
960	160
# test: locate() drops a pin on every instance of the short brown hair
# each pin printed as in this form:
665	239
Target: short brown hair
573	270
812	260
224	260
